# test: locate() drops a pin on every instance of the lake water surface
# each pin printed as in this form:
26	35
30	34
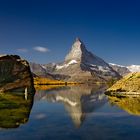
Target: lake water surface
70	113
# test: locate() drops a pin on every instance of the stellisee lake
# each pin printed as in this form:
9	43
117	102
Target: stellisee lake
69	113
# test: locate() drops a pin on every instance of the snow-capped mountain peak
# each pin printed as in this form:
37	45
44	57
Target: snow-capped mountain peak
77	50
79	60
79	53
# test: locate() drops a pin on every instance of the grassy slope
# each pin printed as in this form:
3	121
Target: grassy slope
130	83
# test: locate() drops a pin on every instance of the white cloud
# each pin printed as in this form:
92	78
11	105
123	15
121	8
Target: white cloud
41	49
23	50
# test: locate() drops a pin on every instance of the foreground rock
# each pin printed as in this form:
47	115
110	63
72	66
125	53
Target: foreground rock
15	74
130	84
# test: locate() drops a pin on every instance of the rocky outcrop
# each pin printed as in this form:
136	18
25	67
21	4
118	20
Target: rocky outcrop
15	74
130	84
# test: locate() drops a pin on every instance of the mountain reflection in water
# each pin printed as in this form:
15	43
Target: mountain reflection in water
71	113
79	101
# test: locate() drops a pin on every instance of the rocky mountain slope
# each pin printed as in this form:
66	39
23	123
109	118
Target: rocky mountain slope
38	69
122	70
15	74
130	83
81	65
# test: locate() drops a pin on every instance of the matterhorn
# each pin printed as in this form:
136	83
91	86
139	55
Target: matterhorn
80	65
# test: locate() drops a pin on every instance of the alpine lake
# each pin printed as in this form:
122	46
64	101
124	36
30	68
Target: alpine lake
69	113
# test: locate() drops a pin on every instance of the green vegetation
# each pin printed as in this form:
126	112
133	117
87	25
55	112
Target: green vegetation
14	109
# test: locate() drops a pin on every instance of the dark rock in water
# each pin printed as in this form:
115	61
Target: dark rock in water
15	74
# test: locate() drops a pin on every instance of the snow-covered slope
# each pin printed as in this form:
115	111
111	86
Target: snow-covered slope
123	70
134	68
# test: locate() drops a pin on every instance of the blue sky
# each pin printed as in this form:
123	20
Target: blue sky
43	31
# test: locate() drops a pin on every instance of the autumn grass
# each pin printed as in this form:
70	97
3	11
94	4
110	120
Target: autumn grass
129	83
46	81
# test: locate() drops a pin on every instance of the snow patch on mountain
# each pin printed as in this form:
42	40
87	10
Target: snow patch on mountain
100	68
117	65
43	67
66	65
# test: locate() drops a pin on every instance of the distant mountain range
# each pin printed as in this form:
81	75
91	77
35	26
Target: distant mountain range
124	70
80	65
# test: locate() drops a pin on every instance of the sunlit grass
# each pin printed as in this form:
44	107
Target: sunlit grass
46	81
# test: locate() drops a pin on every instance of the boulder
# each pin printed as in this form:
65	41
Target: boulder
15	74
